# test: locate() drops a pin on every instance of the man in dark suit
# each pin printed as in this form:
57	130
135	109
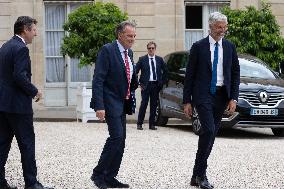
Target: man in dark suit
211	86
16	93
152	78
114	79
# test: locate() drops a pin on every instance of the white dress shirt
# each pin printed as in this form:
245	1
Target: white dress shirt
121	49
220	76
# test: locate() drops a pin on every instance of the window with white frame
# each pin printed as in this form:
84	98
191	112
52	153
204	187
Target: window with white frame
196	18
56	13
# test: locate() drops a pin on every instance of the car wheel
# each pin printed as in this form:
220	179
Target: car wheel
160	120
196	125
278	132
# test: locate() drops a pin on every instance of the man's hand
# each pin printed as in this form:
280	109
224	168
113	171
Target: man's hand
38	96
231	107
100	114
187	109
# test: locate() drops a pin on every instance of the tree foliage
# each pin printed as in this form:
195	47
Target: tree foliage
89	27
256	32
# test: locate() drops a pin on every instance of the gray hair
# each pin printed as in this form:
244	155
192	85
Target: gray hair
217	16
121	27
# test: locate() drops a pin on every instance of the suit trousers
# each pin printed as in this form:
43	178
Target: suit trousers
111	156
152	92
20	126
210	115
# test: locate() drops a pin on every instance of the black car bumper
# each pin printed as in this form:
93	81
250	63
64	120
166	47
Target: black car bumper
243	118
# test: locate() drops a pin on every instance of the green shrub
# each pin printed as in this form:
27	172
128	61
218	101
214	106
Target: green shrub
256	32
89	27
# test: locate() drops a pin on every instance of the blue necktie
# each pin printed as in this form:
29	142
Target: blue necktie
153	70
214	71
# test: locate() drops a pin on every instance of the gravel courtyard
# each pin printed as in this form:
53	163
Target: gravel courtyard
66	153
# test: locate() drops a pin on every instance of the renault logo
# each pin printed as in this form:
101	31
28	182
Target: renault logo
263	96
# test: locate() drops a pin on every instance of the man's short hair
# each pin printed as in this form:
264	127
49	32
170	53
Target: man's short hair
217	16
22	22
121	27
152	43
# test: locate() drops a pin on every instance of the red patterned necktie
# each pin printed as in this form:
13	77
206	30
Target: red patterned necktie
127	68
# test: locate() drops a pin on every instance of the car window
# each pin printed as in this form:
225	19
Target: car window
177	62
253	69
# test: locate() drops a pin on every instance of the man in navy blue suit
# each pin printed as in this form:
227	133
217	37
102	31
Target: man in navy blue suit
152	78
114	79
16	93
211	86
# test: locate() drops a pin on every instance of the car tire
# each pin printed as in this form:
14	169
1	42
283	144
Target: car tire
196	125
160	120
278	132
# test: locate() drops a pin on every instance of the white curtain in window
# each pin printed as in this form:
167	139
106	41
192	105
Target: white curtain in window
55	64
192	36
55	16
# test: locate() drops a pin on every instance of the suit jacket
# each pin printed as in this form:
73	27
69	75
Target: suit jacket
109	87
143	65
16	89
199	72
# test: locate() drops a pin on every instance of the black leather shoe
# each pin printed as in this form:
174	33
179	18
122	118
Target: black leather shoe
114	183
152	127
194	183
7	186
100	183
37	185
203	183
139	127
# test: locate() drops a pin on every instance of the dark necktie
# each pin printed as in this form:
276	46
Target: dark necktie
153	70
214	71
127	68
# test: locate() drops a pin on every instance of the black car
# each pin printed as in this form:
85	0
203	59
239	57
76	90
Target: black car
261	97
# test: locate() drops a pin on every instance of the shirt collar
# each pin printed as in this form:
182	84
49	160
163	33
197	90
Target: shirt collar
21	38
212	41
121	48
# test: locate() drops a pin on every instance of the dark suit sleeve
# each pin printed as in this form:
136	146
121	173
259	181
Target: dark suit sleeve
21	72
138	65
100	73
164	72
235	75
190	75
134	80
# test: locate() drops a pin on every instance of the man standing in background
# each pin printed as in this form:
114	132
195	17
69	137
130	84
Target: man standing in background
16	93
152	78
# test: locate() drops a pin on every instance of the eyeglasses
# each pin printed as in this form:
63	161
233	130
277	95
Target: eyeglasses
150	48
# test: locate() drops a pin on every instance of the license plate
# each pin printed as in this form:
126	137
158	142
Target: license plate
254	111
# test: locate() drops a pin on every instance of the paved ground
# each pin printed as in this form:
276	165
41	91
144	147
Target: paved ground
66	153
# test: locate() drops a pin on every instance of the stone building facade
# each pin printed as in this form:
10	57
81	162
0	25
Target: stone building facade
167	22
